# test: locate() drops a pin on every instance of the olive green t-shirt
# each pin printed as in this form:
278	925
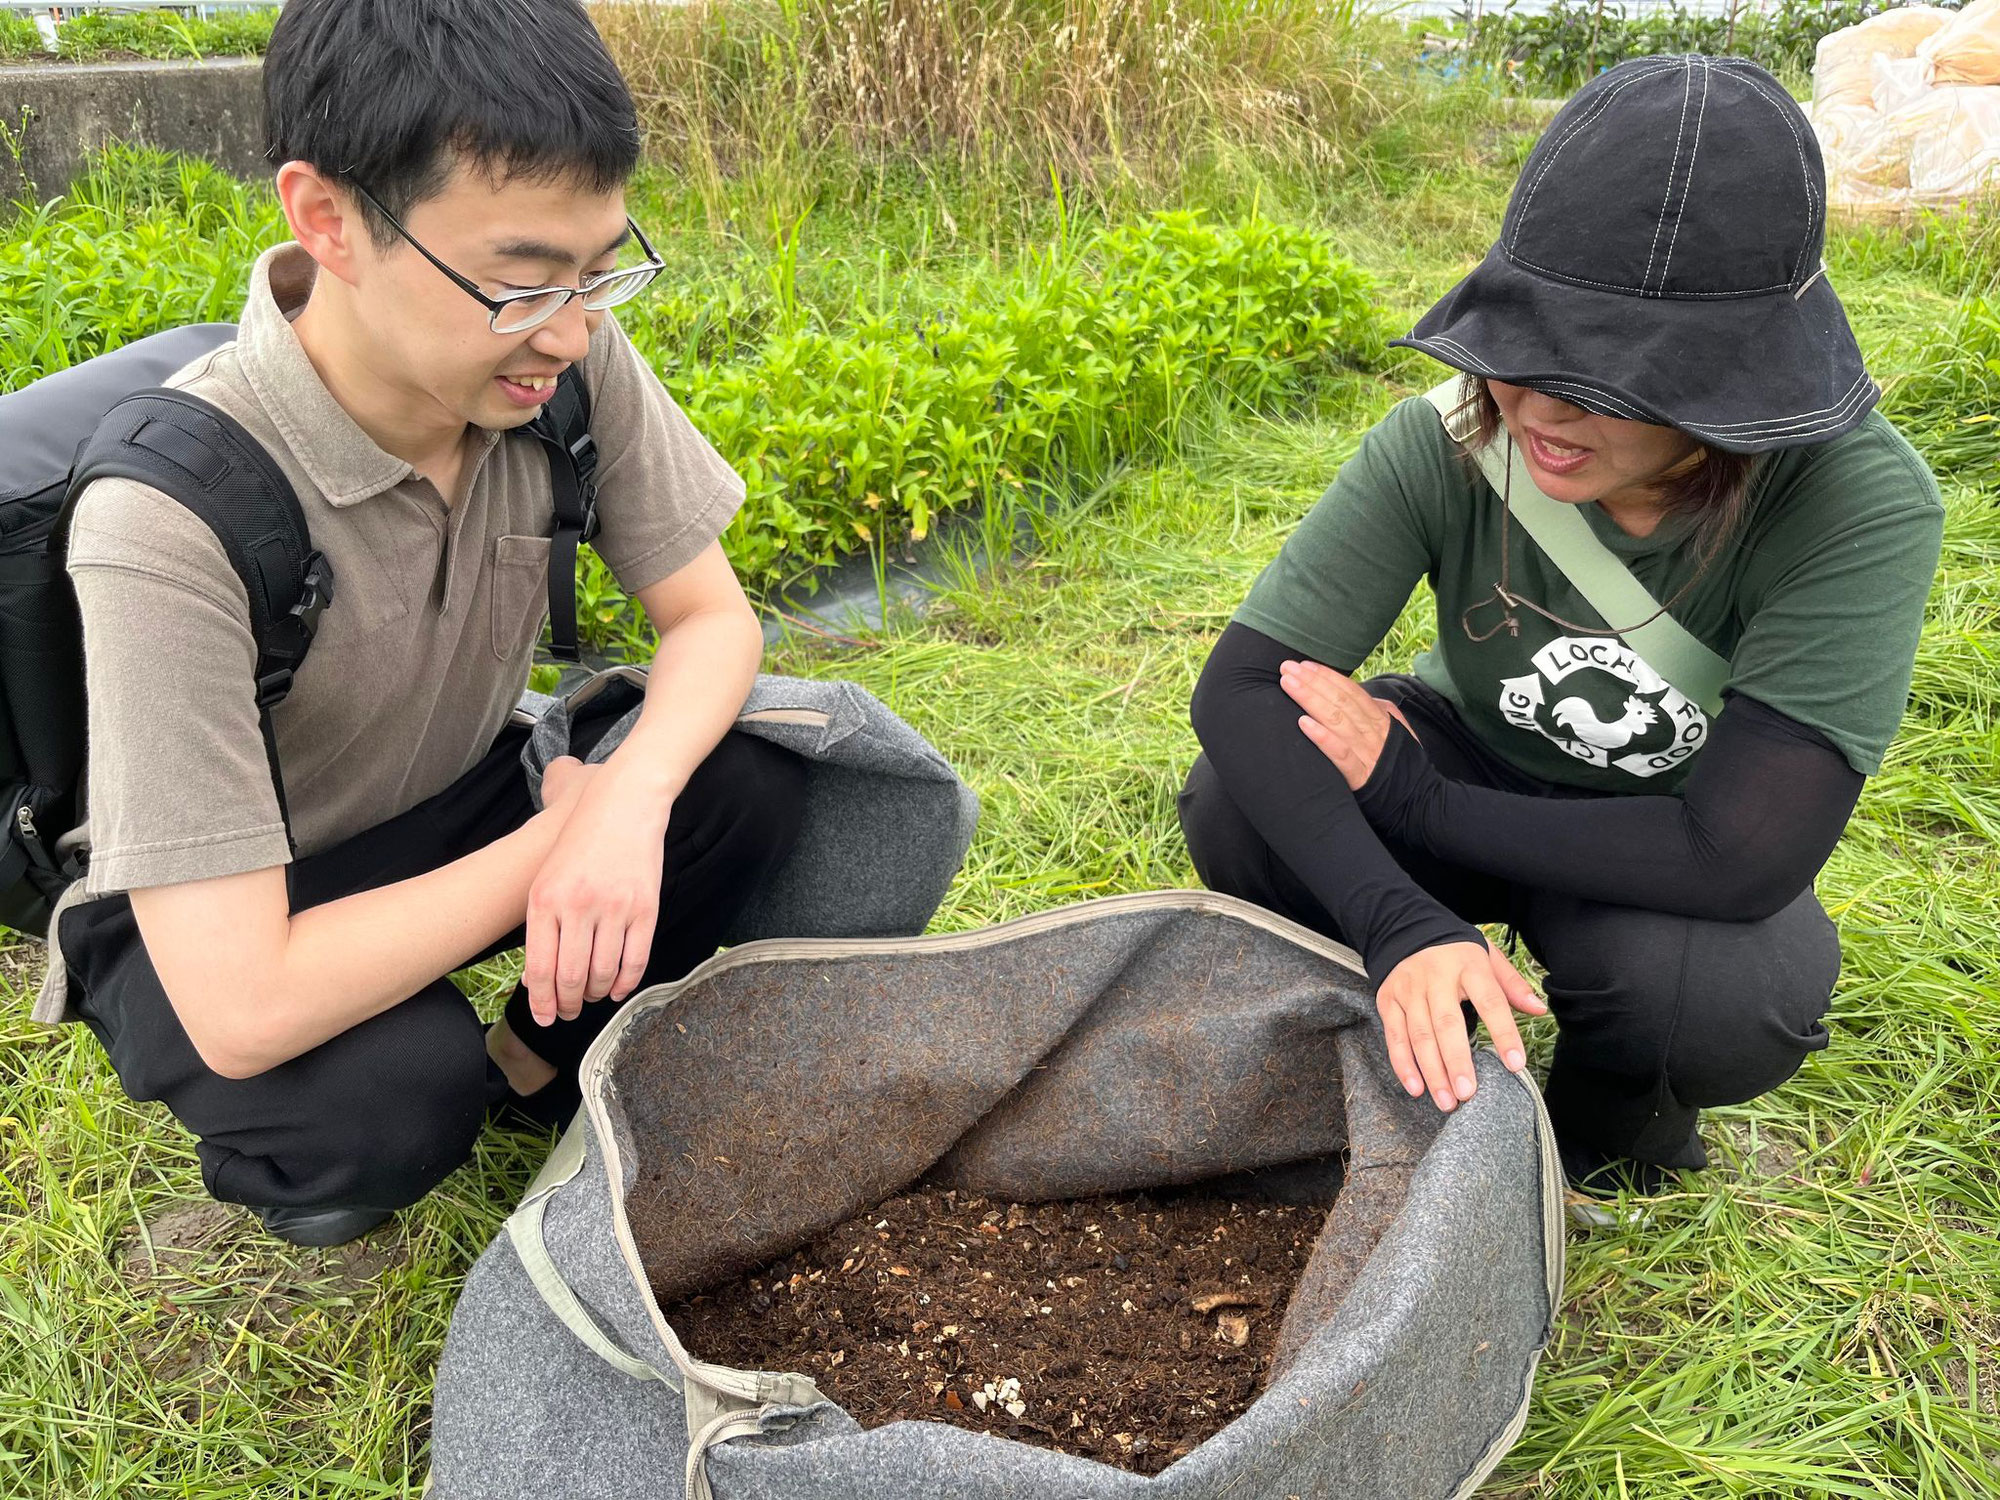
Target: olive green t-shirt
1816	602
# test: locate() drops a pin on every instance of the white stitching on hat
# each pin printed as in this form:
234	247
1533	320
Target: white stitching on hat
1626	291
1480	367
1861	381
1687	90
1588	117
1813	209
1680	214
1597	108
1788	432
1618	407
1793	430
1847	399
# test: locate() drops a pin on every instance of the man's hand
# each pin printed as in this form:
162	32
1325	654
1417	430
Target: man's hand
1419	1006
594	903
1348	723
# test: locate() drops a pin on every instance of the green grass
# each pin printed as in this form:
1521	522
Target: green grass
1819	1314
95	35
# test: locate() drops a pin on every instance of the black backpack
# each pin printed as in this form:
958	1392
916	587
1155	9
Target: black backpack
109	418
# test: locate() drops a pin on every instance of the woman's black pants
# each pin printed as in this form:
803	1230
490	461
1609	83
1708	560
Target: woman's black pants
1659	1015
377	1116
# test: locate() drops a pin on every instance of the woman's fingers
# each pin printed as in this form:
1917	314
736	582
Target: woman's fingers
1420	1019
1337	748
573	967
1400	1056
1484	991
1329	696
1448	1020
607	956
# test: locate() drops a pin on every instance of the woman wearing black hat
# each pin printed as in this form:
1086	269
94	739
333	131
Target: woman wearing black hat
1680	566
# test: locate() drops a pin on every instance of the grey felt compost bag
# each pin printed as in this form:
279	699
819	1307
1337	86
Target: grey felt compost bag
1116	1045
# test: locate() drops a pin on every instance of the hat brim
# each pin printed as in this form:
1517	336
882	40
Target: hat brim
1744	374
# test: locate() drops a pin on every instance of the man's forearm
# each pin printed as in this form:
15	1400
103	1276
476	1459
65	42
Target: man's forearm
256	986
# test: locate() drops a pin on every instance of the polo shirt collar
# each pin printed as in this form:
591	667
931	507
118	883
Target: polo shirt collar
341	460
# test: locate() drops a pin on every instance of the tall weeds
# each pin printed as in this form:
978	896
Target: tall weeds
1100	90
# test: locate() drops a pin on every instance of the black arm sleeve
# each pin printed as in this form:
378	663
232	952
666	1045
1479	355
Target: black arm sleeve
1298	802
1758	816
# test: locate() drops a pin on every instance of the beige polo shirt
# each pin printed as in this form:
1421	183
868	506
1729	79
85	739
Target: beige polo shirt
438	603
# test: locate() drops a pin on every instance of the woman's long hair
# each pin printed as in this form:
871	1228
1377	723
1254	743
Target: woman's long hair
1716	491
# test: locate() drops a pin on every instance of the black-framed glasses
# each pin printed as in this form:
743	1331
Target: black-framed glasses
517	312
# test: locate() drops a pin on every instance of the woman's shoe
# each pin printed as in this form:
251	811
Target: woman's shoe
1599	1183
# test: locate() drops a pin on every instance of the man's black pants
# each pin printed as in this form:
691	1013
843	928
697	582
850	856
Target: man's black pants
377	1116
1660	1016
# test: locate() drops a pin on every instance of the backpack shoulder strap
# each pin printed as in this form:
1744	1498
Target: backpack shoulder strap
563	427
186	448
1565	536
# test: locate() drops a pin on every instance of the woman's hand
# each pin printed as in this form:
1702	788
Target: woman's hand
1419	1006
1348	724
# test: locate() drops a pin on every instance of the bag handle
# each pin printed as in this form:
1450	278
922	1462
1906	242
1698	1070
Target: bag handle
1560	530
524	1228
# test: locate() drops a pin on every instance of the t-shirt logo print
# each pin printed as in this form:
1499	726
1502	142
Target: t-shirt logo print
1596	699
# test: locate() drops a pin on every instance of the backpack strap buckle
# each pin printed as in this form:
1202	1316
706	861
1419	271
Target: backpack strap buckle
315	593
583	454
272	688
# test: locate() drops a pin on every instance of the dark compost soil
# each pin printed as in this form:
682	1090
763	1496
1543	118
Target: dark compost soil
1126	1329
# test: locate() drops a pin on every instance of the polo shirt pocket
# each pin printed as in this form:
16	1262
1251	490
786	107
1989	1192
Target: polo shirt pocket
520	593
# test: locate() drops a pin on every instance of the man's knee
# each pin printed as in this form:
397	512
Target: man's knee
748	795
379	1115
1726	1010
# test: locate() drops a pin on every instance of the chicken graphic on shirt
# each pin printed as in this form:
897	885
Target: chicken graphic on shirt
1580	719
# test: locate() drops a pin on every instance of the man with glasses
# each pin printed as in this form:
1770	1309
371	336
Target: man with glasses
453	173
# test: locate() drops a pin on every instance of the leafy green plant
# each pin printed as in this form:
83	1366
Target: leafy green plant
18	37
163	34
1558	49
144	242
861	434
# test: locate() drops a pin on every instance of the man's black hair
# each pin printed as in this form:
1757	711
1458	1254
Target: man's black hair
392	94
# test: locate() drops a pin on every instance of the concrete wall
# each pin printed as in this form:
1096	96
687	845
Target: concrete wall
61	111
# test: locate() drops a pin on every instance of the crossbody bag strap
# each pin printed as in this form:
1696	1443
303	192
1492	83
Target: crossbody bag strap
1562	533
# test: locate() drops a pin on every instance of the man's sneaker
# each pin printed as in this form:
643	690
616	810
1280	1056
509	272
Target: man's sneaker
1599	1183
320	1227
550	1107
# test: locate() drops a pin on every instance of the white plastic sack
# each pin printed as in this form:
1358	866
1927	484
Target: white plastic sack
1841	65
1906	106
1966	49
1959	157
1899	82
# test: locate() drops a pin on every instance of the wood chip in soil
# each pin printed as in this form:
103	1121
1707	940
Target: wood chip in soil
1126	1329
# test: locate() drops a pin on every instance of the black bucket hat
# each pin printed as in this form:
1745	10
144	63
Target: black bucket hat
1660	261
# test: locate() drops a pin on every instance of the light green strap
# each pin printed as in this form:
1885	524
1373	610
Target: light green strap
1565	536
524	1227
